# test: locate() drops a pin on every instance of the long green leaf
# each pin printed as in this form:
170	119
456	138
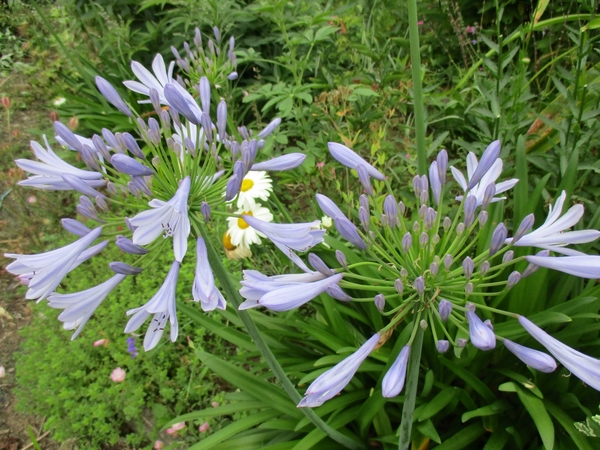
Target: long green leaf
537	410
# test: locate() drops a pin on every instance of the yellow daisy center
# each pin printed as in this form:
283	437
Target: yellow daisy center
227	242
246	185
242	223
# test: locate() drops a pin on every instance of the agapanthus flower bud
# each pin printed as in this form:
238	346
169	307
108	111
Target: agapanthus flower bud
89	157
365	180
488	195
468	267
132	145
488	158
483	218
100	147
498	238
429	219
403	272
124	269
524	228
205	210
513	279
101	203
87	209
406	242
204	90
484	267
363	216
233	187
416	184
379	301
448	259
532	268
269	128
434	268
222	119
133	189
533	358
341	259
67	135
422	211
460	228
423	324
399	286
363	201
393	381
179	104
469	210
336	292
232	76
424	183
419	285
128	246
349	232
436	185
401	208
461	342
350	159
481	336
508	256
442	165
319	265
468	289
423	239
111	94
424	197
442	345
79	185
75	227
129	166
470	306
155	100
446	223
390	208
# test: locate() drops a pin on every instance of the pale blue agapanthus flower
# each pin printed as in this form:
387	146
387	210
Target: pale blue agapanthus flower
481	335
48	172
169	218
330	383
393	381
79	306
533	358
584	367
149	81
46	270
204	290
552	235
584	266
162	305
283	292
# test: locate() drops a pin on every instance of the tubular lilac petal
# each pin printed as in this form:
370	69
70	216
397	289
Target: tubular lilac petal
75	227
124	269
488	158
111	94
350	159
293	296
280	163
129	166
349	232
393	381
481	336
586	266
533	358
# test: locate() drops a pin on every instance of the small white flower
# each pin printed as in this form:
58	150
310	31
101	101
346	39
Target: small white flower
552	236
44	272
235	252
162	305
149	81
255	185
488	178
243	234
326	222
59	101
170	218
48	173
79	306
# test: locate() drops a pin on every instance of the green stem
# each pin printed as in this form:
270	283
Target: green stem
419	108
233	296
412	381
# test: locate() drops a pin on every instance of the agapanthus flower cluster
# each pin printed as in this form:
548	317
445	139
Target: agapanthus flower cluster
418	262
185	167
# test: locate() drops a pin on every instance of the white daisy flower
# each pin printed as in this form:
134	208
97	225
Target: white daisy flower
243	235
235	252
256	185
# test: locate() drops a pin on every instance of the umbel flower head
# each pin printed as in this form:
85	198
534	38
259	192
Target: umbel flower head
426	268
186	165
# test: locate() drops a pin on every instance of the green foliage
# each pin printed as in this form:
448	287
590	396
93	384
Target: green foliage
69	382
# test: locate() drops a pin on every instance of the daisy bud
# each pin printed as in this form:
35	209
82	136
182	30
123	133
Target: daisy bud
442	345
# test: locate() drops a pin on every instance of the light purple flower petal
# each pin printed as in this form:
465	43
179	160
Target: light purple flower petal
393	381
349	158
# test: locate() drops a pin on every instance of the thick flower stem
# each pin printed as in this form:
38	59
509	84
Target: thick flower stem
232	295
418	107
412	382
